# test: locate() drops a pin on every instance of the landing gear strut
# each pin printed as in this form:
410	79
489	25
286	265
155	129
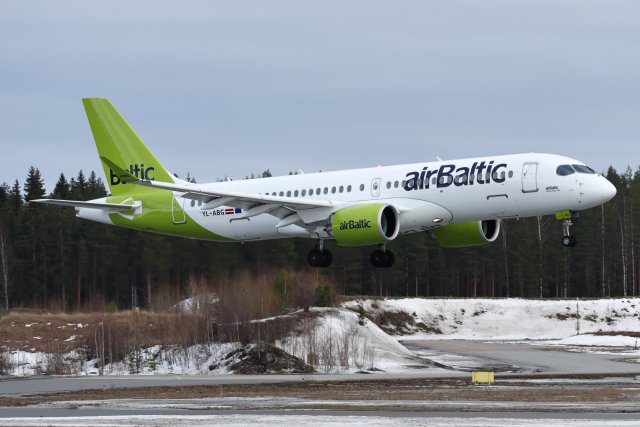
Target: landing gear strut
382	258
319	256
567	218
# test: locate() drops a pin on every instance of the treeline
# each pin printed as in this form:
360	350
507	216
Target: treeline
52	260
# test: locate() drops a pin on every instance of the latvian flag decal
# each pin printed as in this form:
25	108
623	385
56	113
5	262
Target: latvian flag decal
231	211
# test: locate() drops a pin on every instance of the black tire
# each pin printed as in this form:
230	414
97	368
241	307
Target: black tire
389	259
568	241
378	258
315	258
327	258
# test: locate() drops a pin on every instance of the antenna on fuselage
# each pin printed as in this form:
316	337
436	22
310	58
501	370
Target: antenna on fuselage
439	159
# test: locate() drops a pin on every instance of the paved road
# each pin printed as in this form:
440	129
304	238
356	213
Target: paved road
53	384
525	358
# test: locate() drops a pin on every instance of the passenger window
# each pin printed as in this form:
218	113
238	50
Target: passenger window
388	184
361	187
281	193
193	203
395	184
318	191
333	190
564	170
304	193
326	190
288	193
311	191
341	189
295	193
348	188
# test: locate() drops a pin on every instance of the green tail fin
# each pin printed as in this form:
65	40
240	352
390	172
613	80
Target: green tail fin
118	143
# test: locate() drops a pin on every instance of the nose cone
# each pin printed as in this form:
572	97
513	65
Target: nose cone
607	190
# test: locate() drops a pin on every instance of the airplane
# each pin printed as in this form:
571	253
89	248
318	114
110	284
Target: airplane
461	202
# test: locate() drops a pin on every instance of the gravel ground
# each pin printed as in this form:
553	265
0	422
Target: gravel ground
513	394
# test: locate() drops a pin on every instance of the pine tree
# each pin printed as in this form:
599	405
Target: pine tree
34	185
62	188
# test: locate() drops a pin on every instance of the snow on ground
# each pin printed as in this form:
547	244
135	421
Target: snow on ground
156	360
344	340
504	319
340	341
195	303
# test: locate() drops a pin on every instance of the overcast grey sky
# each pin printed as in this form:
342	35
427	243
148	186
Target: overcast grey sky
233	87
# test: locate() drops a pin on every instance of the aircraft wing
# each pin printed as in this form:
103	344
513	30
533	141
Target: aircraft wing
110	207
196	192
290	210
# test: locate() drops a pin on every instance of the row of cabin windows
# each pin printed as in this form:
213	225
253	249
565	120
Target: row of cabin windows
318	191
341	189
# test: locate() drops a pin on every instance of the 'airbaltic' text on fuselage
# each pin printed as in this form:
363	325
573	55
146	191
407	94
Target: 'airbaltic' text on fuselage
445	175
352	225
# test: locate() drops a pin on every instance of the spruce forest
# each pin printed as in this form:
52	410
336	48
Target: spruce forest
51	260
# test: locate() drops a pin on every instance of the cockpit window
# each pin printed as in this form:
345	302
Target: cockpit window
583	169
564	170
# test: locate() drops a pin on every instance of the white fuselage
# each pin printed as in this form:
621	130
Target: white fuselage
426	195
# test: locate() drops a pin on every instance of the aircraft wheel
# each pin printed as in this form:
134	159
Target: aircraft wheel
327	258
315	257
389	259
318	258
378	258
568	241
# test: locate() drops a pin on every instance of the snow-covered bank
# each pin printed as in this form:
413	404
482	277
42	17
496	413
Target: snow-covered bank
364	335
341	341
499	319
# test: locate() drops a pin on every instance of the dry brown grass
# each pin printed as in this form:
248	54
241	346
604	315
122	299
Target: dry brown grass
110	336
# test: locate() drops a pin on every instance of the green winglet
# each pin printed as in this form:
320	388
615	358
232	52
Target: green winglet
123	175
565	214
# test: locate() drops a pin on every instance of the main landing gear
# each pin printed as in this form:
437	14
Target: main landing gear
321	257
382	258
567	218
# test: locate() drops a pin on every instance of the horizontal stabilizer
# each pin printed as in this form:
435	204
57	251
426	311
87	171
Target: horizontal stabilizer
111	207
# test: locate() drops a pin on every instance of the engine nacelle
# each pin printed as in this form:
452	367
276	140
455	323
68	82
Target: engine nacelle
469	233
365	224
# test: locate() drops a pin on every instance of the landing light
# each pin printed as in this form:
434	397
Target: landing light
437	220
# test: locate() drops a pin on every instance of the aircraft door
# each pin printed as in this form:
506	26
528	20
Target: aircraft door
178	215
529	178
375	187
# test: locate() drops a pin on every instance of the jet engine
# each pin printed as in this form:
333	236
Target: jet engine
365	224
468	233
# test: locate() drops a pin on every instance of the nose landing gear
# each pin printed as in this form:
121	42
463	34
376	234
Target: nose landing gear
567	217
